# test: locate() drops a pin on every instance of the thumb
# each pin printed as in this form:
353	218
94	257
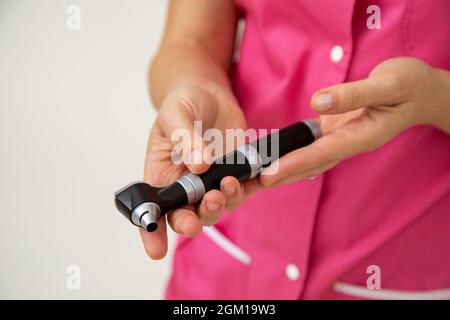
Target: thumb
185	135
188	146
354	95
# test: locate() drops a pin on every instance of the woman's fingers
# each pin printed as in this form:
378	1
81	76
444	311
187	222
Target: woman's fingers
188	145
380	89
184	221
311	174
211	208
189	223
295	162
155	243
233	191
327	151
181	118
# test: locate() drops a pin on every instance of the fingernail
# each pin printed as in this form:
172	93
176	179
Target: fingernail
178	229
323	102
195	157
230	190
212	206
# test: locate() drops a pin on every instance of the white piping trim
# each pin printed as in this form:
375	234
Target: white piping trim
387	294
226	245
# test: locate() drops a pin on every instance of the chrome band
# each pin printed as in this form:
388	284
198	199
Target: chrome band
253	158
145	214
149	222
194	187
315	128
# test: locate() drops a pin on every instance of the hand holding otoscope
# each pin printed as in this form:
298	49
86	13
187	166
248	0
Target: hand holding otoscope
144	204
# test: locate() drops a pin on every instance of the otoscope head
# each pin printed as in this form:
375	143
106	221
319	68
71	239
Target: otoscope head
138	202
146	216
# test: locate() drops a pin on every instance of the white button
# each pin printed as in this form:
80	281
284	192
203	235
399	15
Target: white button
292	272
336	54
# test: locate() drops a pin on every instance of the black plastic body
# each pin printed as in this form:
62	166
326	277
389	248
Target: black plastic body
171	197
232	164
235	164
287	140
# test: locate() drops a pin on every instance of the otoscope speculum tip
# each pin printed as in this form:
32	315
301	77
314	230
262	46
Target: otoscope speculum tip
146	215
149	222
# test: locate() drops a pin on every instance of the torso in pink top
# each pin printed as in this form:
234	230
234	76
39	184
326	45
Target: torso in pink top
382	213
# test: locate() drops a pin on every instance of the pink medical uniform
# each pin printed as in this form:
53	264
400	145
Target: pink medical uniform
376	225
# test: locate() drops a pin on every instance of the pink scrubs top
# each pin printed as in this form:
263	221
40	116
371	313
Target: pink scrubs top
383	214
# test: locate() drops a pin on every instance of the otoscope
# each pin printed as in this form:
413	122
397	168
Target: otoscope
144	204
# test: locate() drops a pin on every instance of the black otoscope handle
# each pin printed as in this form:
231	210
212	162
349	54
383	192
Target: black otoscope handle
247	161
244	163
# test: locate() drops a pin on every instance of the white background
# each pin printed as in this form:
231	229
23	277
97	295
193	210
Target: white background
74	118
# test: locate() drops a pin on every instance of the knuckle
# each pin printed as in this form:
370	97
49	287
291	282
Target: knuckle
175	226
396	85
321	152
392	82
356	95
188	103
